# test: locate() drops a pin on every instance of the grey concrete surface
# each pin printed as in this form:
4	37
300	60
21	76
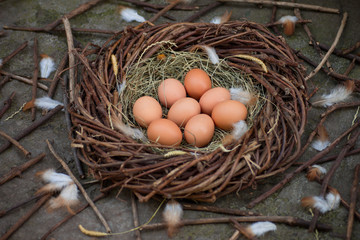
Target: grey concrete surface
117	209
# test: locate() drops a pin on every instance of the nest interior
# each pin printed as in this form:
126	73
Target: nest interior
101	129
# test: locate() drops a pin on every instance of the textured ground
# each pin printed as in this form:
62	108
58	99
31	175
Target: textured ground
117	209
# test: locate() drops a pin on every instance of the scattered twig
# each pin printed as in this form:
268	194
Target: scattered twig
242	229
26	217
135	216
32	127
67	218
165	15
25	80
339	53
350	68
88	199
16	143
236	212
159	7
273	24
57	76
203	11
333	45
7	104
38	29
18	205
70	42
354	191
4	80
11	55
351	49
14	172
235	235
82	8
35	78
164	10
287	4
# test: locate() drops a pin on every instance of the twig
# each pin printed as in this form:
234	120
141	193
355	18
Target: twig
67	218
3	81
7	104
88	199
203	11
235	235
333	45
287	4
32	127
38	29
16	143
339	53
11	55
353	194
135	216
350	68
18	205
82	8
351	49
57	76
70	43
35	78
14	172
165	15
159	7
272	24
242	229
164	10
236	212
26	217
25	80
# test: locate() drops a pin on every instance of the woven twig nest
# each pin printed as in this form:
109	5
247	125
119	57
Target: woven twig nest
270	146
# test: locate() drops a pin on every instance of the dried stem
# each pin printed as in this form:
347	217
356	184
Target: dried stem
287	5
11	55
235	235
135	216
339	53
236	212
16	143
164	10
4	80
25	80
18	205
38	29
333	45
242	229
35	78
353	194
7	104
351	49
159	7
26	217
57	76
88	199
31	128
203	11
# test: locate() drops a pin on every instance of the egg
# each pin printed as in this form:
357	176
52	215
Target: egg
199	130
212	97
182	110
196	83
165	132
145	110
169	91
228	112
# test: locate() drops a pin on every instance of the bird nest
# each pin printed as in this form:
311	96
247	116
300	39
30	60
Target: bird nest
133	62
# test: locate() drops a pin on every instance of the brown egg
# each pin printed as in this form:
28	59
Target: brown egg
165	132
145	110
228	112
199	130
169	91
182	110
212	97
196	83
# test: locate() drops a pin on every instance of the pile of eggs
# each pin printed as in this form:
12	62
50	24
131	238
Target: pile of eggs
195	107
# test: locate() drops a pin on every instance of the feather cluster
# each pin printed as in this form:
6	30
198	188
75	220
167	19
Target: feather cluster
337	95
59	182
322	141
126	129
315	172
43	103
260	228
47	66
330	202
243	96
129	15
288	23
223	19
214	58
239	129
172	215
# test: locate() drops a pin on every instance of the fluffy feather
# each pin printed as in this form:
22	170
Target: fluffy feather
333	198
223	19
121	87
127	130
216	20
214	58
129	15
240	128
315	172
43	103
172	216
260	228
283	19
337	95
320	145
67	198
47	65
316	202
288	23
56	181
243	96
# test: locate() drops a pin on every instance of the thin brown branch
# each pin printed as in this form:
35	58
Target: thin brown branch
352	48
353	194
79	30
333	45
81	188
4	81
159	7
7	104
24	80
164	10
135	216
16	143
17	171
287	5
339	53
214	209
203	11
57	76
11	55
18	205
242	229
35	78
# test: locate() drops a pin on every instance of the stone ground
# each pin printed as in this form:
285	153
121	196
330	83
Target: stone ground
117	209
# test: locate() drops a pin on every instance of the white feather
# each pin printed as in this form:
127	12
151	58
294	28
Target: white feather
241	95
288	18
47	103
131	132
322	170
333	200
338	94
53	177
320	145
68	197
47	65
121	87
214	58
172	213
216	20
129	15
260	228
321	204
239	129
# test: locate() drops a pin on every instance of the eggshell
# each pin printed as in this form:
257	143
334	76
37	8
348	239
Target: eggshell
182	110
196	83
212	97
228	112
169	91
165	132
145	110
199	130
